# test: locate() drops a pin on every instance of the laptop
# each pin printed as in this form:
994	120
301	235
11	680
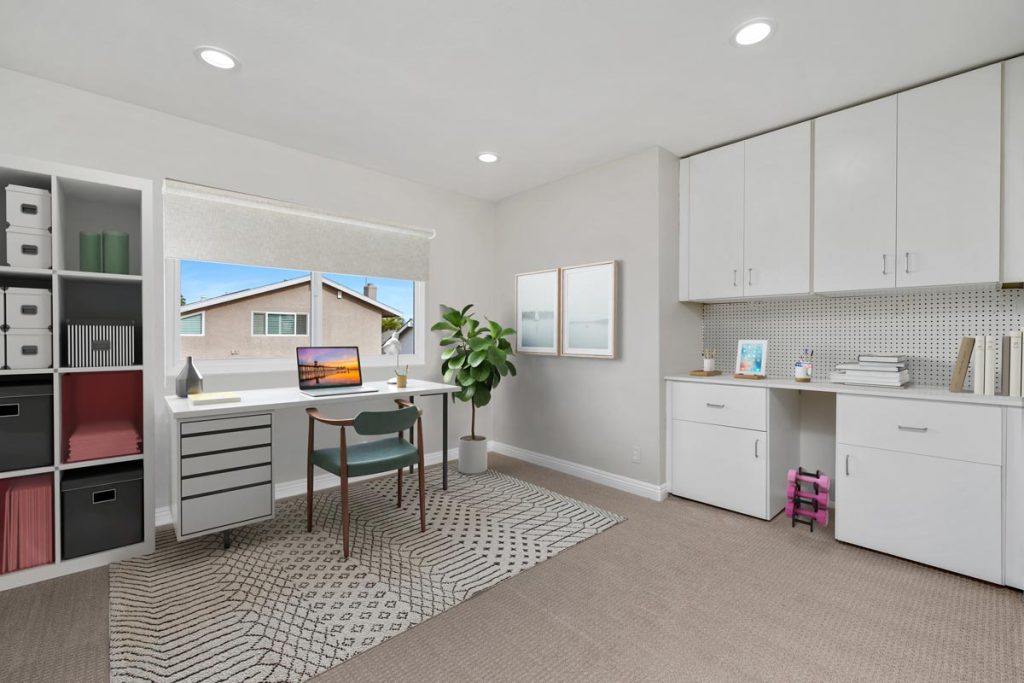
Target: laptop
330	371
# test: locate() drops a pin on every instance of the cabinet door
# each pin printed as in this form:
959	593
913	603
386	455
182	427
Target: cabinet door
722	466
855	198
948	167
777	213
946	513
716	223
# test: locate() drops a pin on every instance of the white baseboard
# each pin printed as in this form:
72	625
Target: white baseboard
615	481
287	489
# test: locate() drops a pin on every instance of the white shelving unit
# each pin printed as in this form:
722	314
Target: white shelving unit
88	200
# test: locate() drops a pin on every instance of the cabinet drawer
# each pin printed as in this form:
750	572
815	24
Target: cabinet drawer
945	430
231	508
222	424
946	513
225	441
199	464
719	404
197	486
721	466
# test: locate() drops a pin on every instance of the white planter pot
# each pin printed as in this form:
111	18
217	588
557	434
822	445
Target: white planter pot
472	455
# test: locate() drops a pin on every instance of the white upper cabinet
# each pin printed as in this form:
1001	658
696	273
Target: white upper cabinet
855	198
1013	170
716	224
948	180
777	213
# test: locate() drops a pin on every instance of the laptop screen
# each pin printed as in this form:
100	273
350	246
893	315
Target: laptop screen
328	366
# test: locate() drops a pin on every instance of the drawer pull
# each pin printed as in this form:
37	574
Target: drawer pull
715	405
10	410
29	209
918	430
30	249
108	496
847	464
756	442
29	309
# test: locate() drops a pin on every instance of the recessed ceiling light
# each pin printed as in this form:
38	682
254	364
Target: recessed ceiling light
488	157
216	57
753	32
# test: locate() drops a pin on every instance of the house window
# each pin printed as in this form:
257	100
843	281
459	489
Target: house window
280	324
192	325
383	307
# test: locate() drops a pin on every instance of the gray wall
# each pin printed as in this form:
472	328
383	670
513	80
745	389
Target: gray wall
51	122
589	411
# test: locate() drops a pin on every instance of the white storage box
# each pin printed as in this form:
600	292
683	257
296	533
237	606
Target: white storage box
27	308
29	349
99	345
28	248
28	207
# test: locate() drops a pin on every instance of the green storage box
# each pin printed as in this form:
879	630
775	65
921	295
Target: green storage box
115	252
90	252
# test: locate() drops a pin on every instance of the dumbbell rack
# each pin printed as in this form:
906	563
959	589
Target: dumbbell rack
807	500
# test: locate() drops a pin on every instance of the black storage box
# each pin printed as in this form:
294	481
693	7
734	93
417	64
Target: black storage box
100	508
26	426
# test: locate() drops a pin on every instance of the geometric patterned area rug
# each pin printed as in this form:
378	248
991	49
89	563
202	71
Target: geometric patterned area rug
282	605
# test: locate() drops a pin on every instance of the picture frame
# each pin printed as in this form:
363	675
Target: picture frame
751	359
589	321
538	305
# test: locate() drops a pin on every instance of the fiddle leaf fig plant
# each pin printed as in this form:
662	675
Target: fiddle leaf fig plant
475	356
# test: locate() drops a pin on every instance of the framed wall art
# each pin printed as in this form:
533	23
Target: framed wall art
589	316
537	317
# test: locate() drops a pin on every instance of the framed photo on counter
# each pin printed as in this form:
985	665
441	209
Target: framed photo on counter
752	358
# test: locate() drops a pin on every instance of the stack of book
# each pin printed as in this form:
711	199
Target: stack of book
980	355
873	370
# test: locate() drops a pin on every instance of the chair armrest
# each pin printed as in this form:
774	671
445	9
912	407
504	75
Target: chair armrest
405	403
315	414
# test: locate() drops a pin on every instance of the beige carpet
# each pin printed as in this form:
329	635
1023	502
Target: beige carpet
679	591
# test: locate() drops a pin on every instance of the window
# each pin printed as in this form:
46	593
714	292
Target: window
280	324
192	325
235	312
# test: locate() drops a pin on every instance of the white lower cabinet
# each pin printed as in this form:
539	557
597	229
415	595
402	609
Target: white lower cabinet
722	466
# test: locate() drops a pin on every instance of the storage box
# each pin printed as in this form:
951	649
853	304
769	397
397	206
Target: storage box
99	345
101	508
28	207
27	308
29	349
29	248
26	426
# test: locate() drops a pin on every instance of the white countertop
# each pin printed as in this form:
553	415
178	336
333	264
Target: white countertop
911	391
291	397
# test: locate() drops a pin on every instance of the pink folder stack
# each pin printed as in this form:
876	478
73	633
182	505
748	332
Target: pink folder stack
103	439
26	522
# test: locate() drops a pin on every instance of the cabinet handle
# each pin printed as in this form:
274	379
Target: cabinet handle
919	430
847	464
907	257
883	264
750	276
715	405
756	442
734	278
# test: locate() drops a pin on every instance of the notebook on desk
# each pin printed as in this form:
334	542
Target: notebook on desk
330	371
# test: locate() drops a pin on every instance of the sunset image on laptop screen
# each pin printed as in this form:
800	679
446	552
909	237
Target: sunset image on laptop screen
336	366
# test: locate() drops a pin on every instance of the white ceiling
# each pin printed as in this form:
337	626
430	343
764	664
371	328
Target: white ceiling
417	89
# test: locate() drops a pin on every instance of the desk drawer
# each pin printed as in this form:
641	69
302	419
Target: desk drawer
223	424
210	483
225	441
200	464
232	508
956	431
719	404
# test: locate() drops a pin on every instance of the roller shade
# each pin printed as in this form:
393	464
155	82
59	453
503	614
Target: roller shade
207	224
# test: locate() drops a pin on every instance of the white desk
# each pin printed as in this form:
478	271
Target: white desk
922	473
221	460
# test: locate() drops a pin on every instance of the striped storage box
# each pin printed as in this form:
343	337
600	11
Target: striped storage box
99	345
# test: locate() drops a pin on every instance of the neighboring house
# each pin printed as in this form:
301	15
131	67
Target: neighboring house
406	336
270	321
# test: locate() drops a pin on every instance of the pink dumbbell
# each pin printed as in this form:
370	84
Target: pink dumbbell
823	482
821	516
821	498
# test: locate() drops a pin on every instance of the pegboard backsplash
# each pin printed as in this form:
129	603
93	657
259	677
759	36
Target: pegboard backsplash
927	326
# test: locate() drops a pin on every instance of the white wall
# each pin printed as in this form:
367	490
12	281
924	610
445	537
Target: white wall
51	122
589	411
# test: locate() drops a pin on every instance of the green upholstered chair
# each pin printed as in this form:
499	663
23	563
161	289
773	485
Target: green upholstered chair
373	457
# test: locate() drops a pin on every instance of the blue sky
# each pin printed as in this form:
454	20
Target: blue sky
206	280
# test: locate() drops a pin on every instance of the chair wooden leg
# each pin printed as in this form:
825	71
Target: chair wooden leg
309	495
344	513
399	487
422	478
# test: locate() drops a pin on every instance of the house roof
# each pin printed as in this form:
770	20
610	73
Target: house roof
388	311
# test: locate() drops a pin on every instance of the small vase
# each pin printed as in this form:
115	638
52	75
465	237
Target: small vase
189	380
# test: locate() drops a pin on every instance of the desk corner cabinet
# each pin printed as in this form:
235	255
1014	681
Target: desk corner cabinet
732	446
222	473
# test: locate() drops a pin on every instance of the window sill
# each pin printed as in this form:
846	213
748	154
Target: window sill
241	366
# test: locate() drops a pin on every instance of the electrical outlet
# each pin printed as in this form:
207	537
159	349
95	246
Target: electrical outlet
635	457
